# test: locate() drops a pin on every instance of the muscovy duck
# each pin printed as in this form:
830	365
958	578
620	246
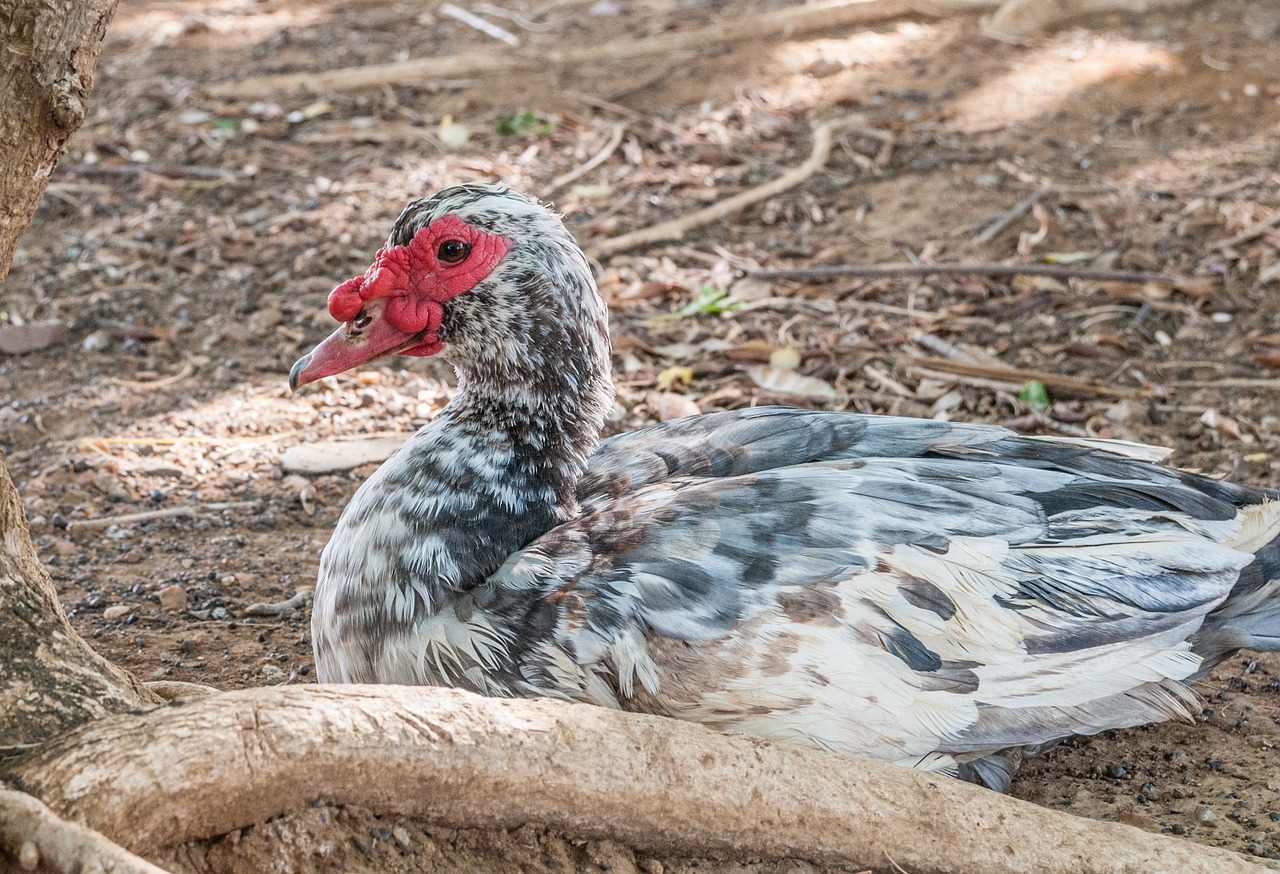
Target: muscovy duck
934	594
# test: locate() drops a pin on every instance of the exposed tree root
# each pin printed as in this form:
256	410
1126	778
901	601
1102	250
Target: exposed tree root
677	228
37	838
209	766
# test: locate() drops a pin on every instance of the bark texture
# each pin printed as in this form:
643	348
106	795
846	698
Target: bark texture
35	836
50	680
206	767
49	50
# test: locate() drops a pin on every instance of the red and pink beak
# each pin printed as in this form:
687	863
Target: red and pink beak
397	306
381	316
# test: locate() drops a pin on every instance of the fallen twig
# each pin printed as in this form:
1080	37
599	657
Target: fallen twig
789	22
173	171
615	140
677	228
488	28
166	513
297	602
187	369
1008	217
875	271
37	838
1227	382
196	770
1018	376
1249	233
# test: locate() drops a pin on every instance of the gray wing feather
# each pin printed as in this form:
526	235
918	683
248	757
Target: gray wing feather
1007	591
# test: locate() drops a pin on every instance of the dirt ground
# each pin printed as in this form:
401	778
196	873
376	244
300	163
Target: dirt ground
188	243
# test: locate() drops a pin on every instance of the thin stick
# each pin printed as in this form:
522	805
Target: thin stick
1018	376
677	228
175	171
36	837
488	28
615	140
187	369
297	602
875	271
1250	232
789	22
148	515
1227	382
1007	218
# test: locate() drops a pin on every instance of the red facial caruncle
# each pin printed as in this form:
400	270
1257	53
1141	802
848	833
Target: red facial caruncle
397	306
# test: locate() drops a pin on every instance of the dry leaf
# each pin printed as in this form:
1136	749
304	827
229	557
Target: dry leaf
1224	425
1267	357
452	134
791	383
673	375
669	405
784	358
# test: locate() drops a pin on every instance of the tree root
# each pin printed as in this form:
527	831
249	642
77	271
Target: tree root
206	767
677	228
35	836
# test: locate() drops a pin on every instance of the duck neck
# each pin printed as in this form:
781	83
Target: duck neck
498	467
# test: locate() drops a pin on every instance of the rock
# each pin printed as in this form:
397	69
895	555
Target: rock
117	611
172	598
651	866
31	336
336	455
1205	816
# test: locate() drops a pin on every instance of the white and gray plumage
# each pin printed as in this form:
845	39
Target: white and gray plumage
932	594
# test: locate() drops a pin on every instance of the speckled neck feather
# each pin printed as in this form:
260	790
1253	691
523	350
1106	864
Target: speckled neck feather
499	465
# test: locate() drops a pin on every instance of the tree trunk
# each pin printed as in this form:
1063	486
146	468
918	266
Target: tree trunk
48	49
50	680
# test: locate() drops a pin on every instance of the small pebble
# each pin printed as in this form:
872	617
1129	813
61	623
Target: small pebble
172	598
1205	815
117	611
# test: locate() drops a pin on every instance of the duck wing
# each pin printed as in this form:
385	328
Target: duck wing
920	592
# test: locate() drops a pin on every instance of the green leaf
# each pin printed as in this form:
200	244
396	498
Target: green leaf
525	121
708	300
1035	395
224	123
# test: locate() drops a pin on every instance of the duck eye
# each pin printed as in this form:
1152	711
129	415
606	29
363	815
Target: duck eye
453	251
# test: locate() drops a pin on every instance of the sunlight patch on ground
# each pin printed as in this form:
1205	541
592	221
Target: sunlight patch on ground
816	72
1049	77
160	26
236	438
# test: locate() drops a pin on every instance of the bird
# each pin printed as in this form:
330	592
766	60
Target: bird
939	595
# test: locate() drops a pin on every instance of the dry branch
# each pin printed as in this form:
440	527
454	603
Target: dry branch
728	29
35	836
879	271
677	228
1017	376
615	140
203	768
163	513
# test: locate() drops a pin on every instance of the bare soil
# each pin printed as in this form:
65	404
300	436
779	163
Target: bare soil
189	245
